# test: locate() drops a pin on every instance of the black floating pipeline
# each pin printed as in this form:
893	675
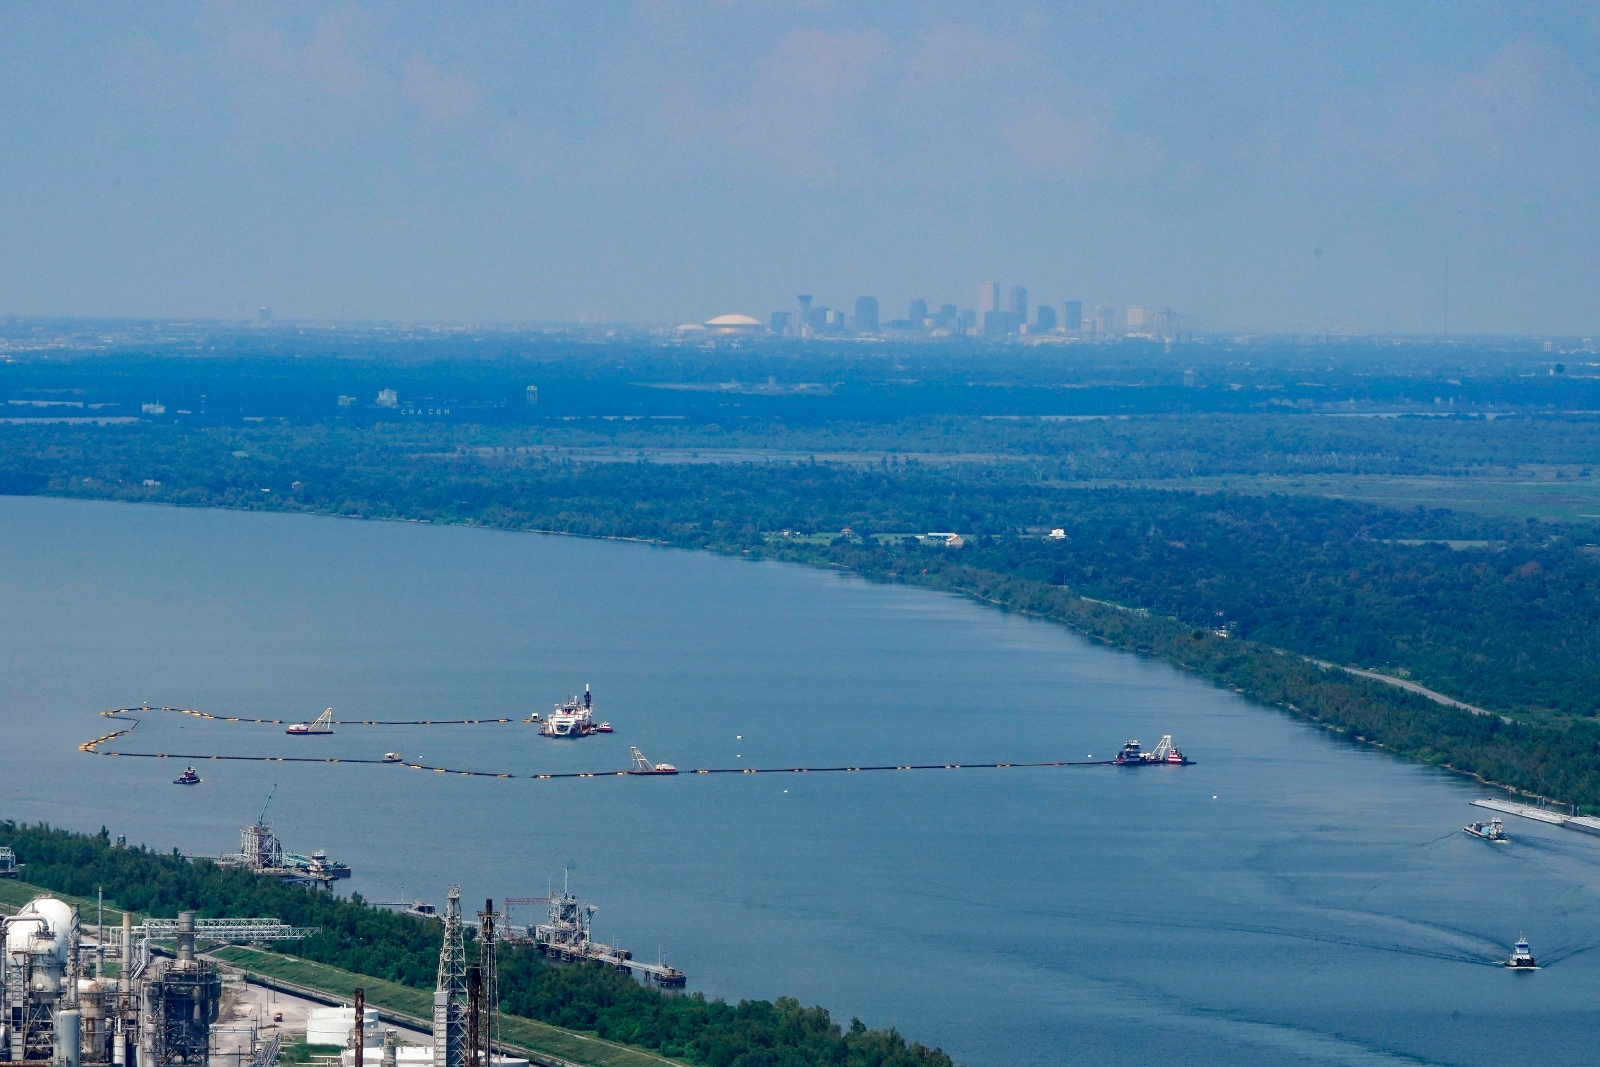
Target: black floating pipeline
88	747
758	770
125	712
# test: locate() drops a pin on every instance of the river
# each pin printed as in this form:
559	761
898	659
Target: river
1291	899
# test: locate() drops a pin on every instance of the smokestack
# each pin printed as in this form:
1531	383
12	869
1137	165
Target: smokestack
185	935
358	1033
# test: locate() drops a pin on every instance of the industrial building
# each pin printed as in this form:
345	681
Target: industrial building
58	1006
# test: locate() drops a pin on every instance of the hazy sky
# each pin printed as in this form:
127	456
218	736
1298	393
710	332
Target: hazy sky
1247	164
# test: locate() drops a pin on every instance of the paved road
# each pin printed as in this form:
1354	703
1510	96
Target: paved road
1412	687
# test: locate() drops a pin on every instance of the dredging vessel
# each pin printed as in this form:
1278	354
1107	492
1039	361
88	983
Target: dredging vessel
1164	754
644	766
322	724
574	718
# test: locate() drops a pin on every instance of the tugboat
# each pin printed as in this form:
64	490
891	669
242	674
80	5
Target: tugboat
188	777
1164	753
1493	830
644	766
322	724
1522	957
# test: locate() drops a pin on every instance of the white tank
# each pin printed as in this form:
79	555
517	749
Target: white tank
42	929
332	1026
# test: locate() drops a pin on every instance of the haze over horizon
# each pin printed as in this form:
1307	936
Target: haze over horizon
1251	166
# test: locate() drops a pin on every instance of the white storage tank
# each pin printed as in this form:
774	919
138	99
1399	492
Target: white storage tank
332	1026
42	930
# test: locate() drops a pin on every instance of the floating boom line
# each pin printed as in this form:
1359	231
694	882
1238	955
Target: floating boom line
126	713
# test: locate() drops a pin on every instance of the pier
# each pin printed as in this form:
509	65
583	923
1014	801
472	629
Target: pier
1586	824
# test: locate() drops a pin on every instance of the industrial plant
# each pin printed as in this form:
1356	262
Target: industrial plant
59	1006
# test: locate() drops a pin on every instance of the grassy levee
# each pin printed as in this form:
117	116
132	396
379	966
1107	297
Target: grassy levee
524	1033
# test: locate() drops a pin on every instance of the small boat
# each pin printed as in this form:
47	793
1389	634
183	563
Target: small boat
391	757
1493	830
603	728
1522	957
322	724
188	777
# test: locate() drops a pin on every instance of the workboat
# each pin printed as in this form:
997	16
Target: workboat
644	766
574	718
324	869
1522	957
1493	830
188	777
322	724
391	757
1165	753
603	728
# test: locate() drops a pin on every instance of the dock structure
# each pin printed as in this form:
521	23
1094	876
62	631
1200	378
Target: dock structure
260	851
1586	824
565	937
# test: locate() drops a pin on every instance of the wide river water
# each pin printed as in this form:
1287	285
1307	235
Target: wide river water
1291	899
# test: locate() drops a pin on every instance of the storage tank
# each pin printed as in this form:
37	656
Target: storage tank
42	931
332	1026
69	1038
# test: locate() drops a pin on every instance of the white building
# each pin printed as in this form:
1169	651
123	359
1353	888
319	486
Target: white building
734	325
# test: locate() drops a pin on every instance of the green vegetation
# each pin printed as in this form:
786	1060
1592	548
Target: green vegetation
300	1052
395	958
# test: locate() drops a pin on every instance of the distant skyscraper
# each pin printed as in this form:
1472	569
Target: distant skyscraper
1108	319
780	322
1047	317
1019	303
1072	313
265	314
919	313
804	322
816	317
1135	318
988	299
866	314
948	315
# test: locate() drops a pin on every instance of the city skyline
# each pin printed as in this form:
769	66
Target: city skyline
1261	167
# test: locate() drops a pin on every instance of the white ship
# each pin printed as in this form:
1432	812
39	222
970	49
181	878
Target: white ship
575	718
